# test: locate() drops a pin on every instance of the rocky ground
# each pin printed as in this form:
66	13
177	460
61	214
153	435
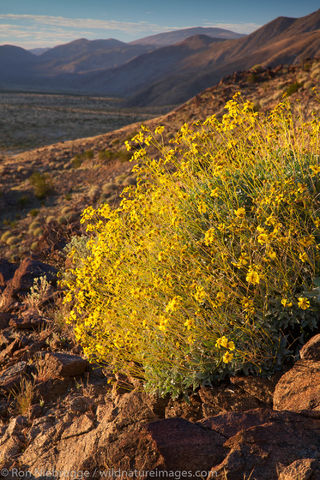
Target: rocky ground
59	415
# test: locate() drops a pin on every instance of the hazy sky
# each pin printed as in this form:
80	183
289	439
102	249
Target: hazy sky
41	23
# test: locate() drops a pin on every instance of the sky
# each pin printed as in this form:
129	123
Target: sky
46	23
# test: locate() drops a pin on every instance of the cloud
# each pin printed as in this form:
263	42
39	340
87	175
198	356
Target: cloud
32	31
236	27
44	30
91	23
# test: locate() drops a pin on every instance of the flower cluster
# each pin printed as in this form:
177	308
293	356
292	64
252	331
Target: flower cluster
209	260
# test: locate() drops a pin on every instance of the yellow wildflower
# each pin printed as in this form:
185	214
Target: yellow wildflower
240	212
315	169
202	207
272	254
159	130
214	193
174	304
253	276
263	238
303	257
188	323
227	357
220	297
200	294
222	342
286	303
303	303
128	146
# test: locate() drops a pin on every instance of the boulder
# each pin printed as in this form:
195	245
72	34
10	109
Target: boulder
311	350
28	321
11	377
229	424
7	270
257	387
185	445
226	398
58	364
302	469
264	450
299	388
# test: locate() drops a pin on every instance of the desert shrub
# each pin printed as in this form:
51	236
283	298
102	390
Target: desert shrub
42	185
108	155
77	161
38	293
253	77
88	154
5	236
293	88
34	212
210	264
79	158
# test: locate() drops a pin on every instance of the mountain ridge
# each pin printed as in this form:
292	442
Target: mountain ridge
168	75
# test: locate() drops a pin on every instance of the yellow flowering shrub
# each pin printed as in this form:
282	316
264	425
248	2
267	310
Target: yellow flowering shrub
209	265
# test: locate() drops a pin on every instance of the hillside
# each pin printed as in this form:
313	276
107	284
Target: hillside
17	65
282	41
172	74
92	169
58	413
145	69
84	55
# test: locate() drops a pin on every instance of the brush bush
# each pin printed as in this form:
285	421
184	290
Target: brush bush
210	264
41	184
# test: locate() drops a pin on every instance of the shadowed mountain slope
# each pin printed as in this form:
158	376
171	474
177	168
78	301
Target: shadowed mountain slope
85	55
146	75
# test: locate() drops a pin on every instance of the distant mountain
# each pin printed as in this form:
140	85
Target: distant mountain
282	41
84	55
38	51
147	68
146	74
170	38
17	66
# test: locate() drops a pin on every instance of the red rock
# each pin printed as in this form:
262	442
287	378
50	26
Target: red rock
229	424
28	270
7	270
302	469
257	387
299	388
11	377
226	398
185	445
29	321
8	351
311	350
63	365
261	451
4	320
